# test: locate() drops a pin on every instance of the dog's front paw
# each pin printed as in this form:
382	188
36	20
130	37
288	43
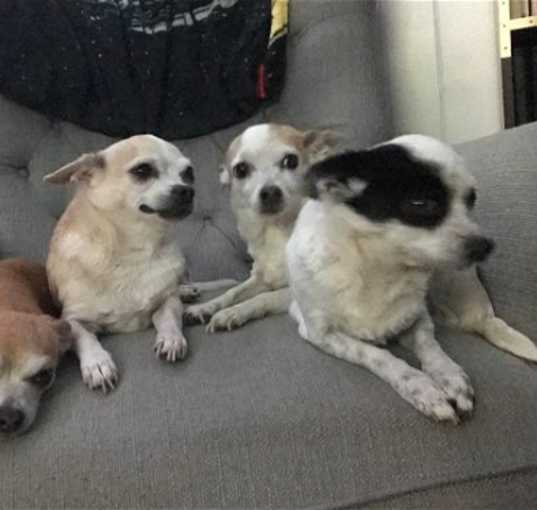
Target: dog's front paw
456	384
198	314
99	370
171	347
226	319
427	397
189	293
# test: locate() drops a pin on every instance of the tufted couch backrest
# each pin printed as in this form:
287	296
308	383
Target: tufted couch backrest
333	80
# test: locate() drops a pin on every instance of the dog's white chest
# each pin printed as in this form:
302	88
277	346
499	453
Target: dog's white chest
348	285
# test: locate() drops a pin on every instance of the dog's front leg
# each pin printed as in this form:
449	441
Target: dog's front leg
97	366
413	385
202	312
170	343
442	369
267	303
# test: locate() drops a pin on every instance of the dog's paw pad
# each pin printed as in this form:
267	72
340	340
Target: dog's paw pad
171	348
99	371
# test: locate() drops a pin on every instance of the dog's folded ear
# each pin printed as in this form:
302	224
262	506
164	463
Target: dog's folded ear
321	144
81	169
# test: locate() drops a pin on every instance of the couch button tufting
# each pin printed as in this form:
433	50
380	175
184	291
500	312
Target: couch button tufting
24	173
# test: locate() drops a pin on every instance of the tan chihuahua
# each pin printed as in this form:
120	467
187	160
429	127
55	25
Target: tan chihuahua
113	264
32	341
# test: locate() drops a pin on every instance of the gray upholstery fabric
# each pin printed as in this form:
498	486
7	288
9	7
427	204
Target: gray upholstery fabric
257	417
260	418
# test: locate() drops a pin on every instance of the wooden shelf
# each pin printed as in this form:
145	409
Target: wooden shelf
508	25
521	23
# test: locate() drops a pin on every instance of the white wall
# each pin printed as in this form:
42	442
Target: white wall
442	67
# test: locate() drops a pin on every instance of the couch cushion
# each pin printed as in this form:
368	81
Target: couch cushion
259	418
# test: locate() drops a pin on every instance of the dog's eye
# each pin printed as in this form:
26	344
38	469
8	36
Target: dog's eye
241	170
43	378
289	161
421	206
143	172
470	199
188	175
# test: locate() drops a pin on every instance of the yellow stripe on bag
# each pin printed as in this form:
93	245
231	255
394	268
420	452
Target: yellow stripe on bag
280	17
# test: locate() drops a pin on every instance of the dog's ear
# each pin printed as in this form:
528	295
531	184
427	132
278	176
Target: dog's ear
320	144
82	169
336	189
224	176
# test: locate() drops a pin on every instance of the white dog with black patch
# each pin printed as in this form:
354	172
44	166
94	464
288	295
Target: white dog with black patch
266	169
362	254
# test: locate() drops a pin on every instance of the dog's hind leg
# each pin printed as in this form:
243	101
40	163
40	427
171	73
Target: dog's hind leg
460	300
97	366
200	313
267	303
170	344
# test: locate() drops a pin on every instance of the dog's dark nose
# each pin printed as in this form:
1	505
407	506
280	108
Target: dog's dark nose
183	193
478	248
11	419
270	194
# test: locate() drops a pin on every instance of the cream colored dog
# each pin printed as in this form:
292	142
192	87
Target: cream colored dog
113	265
265	168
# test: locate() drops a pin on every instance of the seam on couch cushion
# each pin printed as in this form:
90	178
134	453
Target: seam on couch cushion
450	483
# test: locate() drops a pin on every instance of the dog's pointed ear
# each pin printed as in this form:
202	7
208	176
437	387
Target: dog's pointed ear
225	180
338	190
82	169
321	144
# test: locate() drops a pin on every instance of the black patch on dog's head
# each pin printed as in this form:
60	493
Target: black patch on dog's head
396	186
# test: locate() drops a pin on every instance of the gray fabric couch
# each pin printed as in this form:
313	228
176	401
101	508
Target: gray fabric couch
257	417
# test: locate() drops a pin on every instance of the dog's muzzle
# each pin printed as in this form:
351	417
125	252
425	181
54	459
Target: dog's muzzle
271	200
11	419
477	249
178	205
